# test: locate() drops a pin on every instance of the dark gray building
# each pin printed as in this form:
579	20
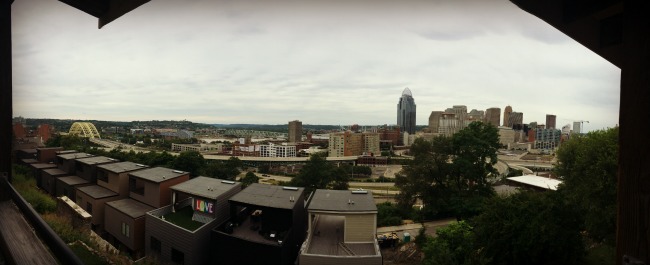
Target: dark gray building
48	179
86	168
67	162
266	226
179	232
406	112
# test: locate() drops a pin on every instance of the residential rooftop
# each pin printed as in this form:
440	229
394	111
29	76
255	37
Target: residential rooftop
537	181
205	187
269	196
97	192
63	152
96	160
158	174
121	167
55	172
42	165
131	207
74	155
342	201
73	180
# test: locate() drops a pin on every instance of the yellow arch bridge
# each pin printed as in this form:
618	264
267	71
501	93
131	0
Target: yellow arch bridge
84	129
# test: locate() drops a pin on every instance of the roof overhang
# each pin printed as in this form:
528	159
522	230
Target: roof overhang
596	24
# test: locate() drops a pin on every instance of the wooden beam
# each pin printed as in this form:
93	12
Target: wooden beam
5	88
633	224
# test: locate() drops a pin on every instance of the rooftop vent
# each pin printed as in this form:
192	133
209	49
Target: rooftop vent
140	165
228	182
178	171
359	192
112	159
289	188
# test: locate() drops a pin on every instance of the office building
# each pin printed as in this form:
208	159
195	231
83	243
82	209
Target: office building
406	112
550	121
353	144
493	116
515	118
295	131
577	127
547	138
434	121
506	116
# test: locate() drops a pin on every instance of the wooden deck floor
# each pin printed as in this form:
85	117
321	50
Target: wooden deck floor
25	247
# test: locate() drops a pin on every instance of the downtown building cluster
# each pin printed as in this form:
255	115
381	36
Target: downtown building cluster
513	132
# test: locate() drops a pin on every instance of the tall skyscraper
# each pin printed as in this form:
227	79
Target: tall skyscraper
577	127
515	118
550	121
506	116
493	116
406	112
434	121
295	131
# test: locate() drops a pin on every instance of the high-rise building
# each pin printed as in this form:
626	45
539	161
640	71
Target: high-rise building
406	112
506	116
295	131
550	121
515	118
476	115
577	127
434	121
493	116
353	144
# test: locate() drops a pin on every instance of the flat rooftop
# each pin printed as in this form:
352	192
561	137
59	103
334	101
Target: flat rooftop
121	167
55	172
74	155
62	152
42	165
205	187
97	192
130	207
269	196
95	160
158	174
342	201
537	181
73	180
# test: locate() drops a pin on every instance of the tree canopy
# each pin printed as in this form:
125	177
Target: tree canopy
317	173
191	161
588	167
228	169
450	174
529	228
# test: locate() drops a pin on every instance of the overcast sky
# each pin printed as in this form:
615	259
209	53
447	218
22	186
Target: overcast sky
321	62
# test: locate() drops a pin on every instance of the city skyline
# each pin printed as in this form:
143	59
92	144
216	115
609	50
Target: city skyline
267	63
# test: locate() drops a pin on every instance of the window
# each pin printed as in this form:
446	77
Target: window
155	245
178	257
89	208
125	229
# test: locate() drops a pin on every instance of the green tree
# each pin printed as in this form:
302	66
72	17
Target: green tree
191	161
588	166
529	228
450	174
317	173
454	244
249	179
228	169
